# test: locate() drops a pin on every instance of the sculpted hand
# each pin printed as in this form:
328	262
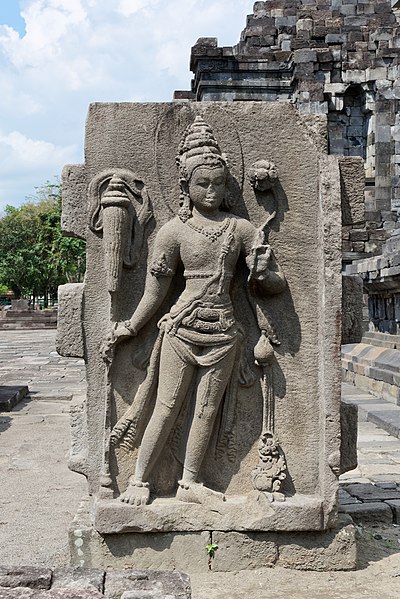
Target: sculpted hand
259	261
262	258
121	331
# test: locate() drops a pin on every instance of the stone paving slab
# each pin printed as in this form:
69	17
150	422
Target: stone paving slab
369	492
29	358
33	578
371	513
26	593
38	494
88	583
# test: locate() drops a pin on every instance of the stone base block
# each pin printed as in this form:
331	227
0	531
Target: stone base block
187	551
26	582
10	396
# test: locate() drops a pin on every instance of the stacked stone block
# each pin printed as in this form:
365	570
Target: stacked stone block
381	279
340	58
25	582
373	368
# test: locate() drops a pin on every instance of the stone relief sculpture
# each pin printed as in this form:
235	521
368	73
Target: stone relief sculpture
198	351
113	195
271	469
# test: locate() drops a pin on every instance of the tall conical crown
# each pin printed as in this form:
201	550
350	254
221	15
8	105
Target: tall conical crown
198	147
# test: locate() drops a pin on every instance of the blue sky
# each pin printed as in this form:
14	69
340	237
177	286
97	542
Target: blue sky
57	56
10	15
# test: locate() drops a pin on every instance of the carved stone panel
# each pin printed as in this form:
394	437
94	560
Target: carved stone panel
210	318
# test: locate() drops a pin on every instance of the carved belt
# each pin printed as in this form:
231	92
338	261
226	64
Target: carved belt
209	320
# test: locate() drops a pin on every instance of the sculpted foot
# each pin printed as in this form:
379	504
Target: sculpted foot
137	493
197	493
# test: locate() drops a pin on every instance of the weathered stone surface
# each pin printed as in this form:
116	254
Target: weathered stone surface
11	395
254	512
79	435
332	550
17	593
68	593
352	309
375	369
346	499
132	201
157	551
348	436
78	579
369	492
370	512
69	341
307	180
250	550
352	181
57	593
26	576
147	583
74	220
320	63
394	504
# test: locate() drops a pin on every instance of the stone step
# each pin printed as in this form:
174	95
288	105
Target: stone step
372	409
381	339
37	323
374	369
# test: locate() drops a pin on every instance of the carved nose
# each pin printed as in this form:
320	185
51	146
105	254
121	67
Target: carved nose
210	191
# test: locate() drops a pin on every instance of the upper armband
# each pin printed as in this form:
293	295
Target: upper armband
159	267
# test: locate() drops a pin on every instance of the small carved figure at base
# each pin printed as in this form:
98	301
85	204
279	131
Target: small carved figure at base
270	472
197	493
137	493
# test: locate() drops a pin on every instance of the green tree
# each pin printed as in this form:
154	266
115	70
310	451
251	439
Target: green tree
34	255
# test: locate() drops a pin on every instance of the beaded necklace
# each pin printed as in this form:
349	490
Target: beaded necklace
212	233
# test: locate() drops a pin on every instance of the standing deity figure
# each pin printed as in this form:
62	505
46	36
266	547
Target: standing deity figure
196	355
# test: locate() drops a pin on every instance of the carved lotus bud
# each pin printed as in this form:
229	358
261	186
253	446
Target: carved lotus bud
263	175
263	351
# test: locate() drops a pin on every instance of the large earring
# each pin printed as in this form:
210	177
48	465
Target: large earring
184	211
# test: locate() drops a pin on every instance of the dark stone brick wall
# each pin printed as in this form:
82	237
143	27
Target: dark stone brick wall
340	58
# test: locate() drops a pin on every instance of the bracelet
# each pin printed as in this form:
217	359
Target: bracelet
131	329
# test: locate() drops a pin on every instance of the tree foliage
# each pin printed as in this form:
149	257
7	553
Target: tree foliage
35	257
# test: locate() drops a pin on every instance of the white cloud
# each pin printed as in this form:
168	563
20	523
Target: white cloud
78	51
130	7
18	152
33	160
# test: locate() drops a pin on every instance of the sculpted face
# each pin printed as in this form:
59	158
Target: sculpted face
207	187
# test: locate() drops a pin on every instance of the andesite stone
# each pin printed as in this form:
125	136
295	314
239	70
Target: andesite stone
247	454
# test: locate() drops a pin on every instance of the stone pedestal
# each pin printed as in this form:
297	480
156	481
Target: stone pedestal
334	549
